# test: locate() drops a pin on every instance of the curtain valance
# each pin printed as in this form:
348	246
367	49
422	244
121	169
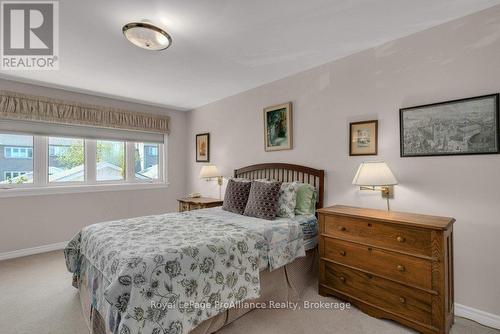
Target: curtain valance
16	106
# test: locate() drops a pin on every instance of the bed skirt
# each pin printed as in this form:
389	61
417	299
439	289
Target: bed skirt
285	284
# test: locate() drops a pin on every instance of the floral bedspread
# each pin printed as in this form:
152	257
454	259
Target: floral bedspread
170	272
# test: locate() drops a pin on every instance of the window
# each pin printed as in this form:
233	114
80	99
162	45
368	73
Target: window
13	174
36	161
16	167
146	161
153	150
18	152
57	150
110	160
66	160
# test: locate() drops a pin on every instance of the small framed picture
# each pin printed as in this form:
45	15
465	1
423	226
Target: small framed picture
278	127
203	147
363	138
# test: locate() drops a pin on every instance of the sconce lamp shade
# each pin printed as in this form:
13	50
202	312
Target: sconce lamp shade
374	173
209	171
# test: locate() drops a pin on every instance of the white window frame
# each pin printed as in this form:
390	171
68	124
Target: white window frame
41	184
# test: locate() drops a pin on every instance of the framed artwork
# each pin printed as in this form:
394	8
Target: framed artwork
458	127
278	127
363	138
203	147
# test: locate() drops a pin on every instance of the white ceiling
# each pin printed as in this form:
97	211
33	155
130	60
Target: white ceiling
223	47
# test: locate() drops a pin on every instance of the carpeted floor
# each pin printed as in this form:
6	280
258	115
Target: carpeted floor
36	296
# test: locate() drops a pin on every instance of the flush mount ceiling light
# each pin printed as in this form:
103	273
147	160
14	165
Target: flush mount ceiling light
147	36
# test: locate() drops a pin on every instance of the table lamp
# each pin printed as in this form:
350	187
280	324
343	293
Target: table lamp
209	172
376	175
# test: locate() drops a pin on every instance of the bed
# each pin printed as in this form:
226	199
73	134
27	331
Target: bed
196	271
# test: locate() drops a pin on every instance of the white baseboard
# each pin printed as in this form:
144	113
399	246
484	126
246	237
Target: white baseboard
31	251
484	318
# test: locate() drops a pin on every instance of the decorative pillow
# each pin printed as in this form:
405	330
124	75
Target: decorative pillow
240	179
313	201
306	199
263	200
236	197
287	199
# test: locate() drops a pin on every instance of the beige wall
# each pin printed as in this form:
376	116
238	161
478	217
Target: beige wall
455	60
32	221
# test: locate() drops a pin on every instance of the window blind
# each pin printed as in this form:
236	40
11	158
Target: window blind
75	131
50	117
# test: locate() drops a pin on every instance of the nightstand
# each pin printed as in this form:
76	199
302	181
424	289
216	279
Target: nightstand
188	204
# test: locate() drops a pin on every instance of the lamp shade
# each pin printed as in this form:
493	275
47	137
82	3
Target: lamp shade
209	171
374	173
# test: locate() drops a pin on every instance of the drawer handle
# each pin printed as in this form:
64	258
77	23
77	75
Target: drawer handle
402	300
342	278
400	239
342	228
342	253
401	268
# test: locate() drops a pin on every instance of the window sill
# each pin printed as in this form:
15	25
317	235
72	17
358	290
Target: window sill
71	189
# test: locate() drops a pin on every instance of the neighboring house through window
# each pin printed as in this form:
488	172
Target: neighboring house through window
16	157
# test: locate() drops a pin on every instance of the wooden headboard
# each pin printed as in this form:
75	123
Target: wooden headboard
286	173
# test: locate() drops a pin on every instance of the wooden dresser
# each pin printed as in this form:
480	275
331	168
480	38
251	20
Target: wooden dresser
195	203
391	265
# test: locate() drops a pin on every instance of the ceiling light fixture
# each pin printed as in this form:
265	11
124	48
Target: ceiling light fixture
147	36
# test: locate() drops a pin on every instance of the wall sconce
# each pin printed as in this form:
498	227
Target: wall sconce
376	175
210	172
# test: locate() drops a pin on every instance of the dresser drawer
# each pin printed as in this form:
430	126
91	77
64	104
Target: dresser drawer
407	269
412	240
412	303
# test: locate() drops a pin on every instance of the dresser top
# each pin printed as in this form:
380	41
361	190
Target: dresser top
410	219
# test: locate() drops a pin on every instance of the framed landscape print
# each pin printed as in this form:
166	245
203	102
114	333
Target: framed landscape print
458	127
363	138
203	147
278	127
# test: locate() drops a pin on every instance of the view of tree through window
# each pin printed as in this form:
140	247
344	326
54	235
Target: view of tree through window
16	159
66	160
146	161
110	160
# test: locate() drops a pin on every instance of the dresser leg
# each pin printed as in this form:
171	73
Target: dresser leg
322	291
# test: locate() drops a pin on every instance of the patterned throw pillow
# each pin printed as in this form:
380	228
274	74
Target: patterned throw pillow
236	197
263	200
287	199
